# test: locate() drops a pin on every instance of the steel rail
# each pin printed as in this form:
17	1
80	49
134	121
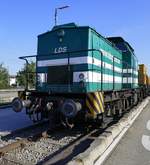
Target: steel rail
66	153
22	142
24	129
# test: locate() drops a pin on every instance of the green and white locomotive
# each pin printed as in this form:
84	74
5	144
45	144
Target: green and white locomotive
81	76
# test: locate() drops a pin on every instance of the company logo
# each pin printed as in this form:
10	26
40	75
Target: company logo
60	50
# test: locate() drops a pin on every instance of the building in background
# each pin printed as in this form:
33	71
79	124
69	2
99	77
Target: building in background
12	80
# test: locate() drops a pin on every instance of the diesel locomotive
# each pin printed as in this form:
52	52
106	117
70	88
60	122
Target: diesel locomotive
81	76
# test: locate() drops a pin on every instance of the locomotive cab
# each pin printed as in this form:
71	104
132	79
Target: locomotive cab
60	59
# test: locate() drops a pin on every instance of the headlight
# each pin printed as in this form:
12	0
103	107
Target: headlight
61	33
81	76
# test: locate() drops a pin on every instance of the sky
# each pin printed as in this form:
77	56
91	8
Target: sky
21	21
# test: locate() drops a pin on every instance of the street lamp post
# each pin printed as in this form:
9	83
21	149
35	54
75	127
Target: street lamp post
56	10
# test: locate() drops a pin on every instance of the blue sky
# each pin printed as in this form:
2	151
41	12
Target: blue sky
22	20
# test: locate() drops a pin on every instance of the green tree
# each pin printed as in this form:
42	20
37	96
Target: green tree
4	77
27	75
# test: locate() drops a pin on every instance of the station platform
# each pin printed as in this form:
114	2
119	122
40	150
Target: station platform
134	147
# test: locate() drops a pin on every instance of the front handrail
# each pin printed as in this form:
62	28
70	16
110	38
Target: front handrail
62	53
69	52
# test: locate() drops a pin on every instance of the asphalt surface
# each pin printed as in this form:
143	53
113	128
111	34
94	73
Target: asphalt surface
134	147
10	120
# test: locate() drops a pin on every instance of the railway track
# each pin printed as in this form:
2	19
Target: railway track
80	144
25	131
32	145
40	148
21	136
68	152
36	147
